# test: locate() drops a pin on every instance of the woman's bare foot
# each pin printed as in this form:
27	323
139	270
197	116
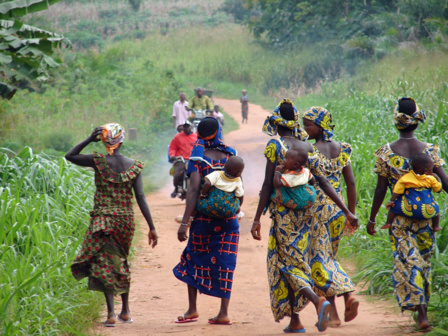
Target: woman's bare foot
125	318
110	322
351	309
219	320
437	228
424	326
335	321
295	323
189	316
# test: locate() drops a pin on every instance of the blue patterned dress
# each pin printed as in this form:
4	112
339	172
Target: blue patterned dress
412	240
209	259
328	226
289	236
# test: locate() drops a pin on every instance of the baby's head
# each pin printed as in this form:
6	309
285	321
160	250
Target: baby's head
295	159
234	166
422	164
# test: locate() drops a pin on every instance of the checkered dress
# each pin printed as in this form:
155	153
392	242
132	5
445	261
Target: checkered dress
209	259
104	251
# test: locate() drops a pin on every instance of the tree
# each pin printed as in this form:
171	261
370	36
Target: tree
25	51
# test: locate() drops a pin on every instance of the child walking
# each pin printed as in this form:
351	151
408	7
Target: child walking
412	196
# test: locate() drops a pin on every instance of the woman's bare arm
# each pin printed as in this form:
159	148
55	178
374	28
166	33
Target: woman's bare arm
265	194
378	198
74	156
191	200
144	208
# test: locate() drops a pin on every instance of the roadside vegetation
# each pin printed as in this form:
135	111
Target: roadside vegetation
129	62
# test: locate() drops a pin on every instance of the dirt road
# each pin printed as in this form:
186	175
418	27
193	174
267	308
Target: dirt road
157	297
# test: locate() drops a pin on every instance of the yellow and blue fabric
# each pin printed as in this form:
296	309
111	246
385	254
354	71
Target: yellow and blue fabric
412	240
287	259
112	135
208	261
417	199
273	121
403	120
327	229
322	118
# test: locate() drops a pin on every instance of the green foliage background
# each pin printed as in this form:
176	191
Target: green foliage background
129	66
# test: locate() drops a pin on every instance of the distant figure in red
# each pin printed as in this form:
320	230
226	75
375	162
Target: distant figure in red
179	152
244	99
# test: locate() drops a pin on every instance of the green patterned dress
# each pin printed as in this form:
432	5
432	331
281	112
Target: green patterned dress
289	236
327	229
412	241
105	249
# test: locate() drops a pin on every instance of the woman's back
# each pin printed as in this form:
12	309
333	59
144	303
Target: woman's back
408	148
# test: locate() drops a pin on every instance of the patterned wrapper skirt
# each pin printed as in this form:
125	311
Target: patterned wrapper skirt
104	252
328	227
209	259
412	243
287	260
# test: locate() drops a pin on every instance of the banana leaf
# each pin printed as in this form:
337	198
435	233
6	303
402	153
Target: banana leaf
23	7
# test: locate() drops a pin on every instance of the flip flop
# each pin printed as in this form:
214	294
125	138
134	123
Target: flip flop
129	320
109	324
352	310
213	320
183	319
324	318
287	330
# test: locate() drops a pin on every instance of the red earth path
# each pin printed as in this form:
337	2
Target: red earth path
157	297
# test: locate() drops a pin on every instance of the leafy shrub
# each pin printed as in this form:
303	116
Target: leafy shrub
59	141
86	40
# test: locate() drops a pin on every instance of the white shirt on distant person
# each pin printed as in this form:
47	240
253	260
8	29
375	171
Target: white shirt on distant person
180	112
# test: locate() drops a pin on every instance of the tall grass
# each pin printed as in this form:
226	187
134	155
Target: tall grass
44	207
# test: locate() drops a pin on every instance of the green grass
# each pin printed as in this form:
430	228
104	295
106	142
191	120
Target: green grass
44	207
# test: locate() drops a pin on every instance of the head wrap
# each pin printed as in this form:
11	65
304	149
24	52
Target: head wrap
322	118
112	136
212	141
273	121
403	120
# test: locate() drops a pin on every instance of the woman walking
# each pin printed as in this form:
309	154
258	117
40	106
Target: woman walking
105	249
208	261
329	277
289	273
412	239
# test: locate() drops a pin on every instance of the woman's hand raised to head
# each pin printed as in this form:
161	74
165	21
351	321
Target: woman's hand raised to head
152	238
94	137
256	228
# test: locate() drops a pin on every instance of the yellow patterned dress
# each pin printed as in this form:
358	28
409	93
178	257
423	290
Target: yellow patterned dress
289	236
412	240
328	226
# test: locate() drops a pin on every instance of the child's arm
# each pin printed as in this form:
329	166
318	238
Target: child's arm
205	188
241	200
278	177
312	181
392	200
436	186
